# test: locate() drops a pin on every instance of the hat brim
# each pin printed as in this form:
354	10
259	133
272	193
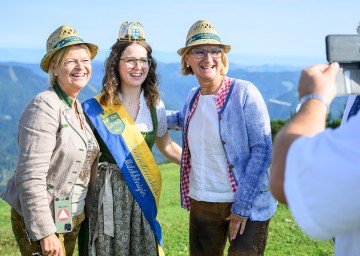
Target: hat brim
226	47
45	62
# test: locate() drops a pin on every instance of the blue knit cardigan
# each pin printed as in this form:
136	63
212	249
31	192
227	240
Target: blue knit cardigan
245	132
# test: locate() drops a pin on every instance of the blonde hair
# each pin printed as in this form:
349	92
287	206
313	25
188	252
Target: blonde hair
59	60
187	70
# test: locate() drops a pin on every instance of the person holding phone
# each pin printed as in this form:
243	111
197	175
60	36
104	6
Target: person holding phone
316	170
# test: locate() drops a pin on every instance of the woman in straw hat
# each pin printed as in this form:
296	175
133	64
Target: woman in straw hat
226	152
58	153
129	117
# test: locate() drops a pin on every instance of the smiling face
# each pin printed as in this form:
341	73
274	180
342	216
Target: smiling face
75	72
133	74
208	68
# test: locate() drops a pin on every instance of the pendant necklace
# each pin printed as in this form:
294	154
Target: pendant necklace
128	101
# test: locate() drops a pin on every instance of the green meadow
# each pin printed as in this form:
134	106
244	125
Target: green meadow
285	237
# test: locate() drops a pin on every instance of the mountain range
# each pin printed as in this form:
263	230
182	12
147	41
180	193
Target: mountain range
20	82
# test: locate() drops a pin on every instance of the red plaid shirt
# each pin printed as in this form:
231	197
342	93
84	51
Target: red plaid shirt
220	98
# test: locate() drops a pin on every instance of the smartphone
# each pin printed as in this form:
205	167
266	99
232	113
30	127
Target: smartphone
345	49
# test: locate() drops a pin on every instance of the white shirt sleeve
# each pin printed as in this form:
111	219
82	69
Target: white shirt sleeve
322	181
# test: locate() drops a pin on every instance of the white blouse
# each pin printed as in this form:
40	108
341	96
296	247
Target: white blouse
143	120
209	178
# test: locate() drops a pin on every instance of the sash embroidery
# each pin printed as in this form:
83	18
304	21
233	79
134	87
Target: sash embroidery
132	155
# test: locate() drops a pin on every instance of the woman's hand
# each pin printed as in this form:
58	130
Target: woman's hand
237	225
51	245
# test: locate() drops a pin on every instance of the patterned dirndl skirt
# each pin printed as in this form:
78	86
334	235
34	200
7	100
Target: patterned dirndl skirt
117	224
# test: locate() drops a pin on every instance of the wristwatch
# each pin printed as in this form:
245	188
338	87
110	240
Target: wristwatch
313	96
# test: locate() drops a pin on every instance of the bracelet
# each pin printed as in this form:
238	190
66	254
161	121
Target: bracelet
313	96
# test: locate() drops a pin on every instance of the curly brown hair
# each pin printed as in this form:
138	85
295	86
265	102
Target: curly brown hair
111	82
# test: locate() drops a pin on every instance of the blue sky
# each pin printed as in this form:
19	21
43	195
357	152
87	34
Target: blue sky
260	28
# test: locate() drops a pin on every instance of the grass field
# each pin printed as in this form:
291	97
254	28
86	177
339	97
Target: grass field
285	238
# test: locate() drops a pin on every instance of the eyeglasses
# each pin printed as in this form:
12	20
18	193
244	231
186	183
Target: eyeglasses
201	53
131	62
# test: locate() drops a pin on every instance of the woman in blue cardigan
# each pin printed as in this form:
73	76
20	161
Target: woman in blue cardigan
226	152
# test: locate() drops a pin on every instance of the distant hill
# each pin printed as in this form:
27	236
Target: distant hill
20	82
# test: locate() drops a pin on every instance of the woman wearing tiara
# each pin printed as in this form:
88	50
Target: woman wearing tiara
128	117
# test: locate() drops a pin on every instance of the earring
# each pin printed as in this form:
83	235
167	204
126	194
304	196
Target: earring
56	74
187	65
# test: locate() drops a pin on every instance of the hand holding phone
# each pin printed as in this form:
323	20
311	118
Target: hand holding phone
345	49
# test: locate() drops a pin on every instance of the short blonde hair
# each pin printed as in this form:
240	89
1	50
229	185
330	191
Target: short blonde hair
59	60
187	70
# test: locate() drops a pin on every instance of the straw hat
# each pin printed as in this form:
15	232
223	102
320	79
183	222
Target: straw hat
132	31
60	38
202	32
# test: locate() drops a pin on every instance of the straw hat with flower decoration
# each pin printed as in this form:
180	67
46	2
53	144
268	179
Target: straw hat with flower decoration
62	37
202	32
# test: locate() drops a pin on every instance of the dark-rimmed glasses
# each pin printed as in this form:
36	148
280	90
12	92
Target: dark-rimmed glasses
201	53
131	62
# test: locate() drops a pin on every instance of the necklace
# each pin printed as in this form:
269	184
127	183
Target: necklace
129	102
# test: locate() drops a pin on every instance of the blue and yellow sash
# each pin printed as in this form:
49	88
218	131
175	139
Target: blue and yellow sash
132	155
